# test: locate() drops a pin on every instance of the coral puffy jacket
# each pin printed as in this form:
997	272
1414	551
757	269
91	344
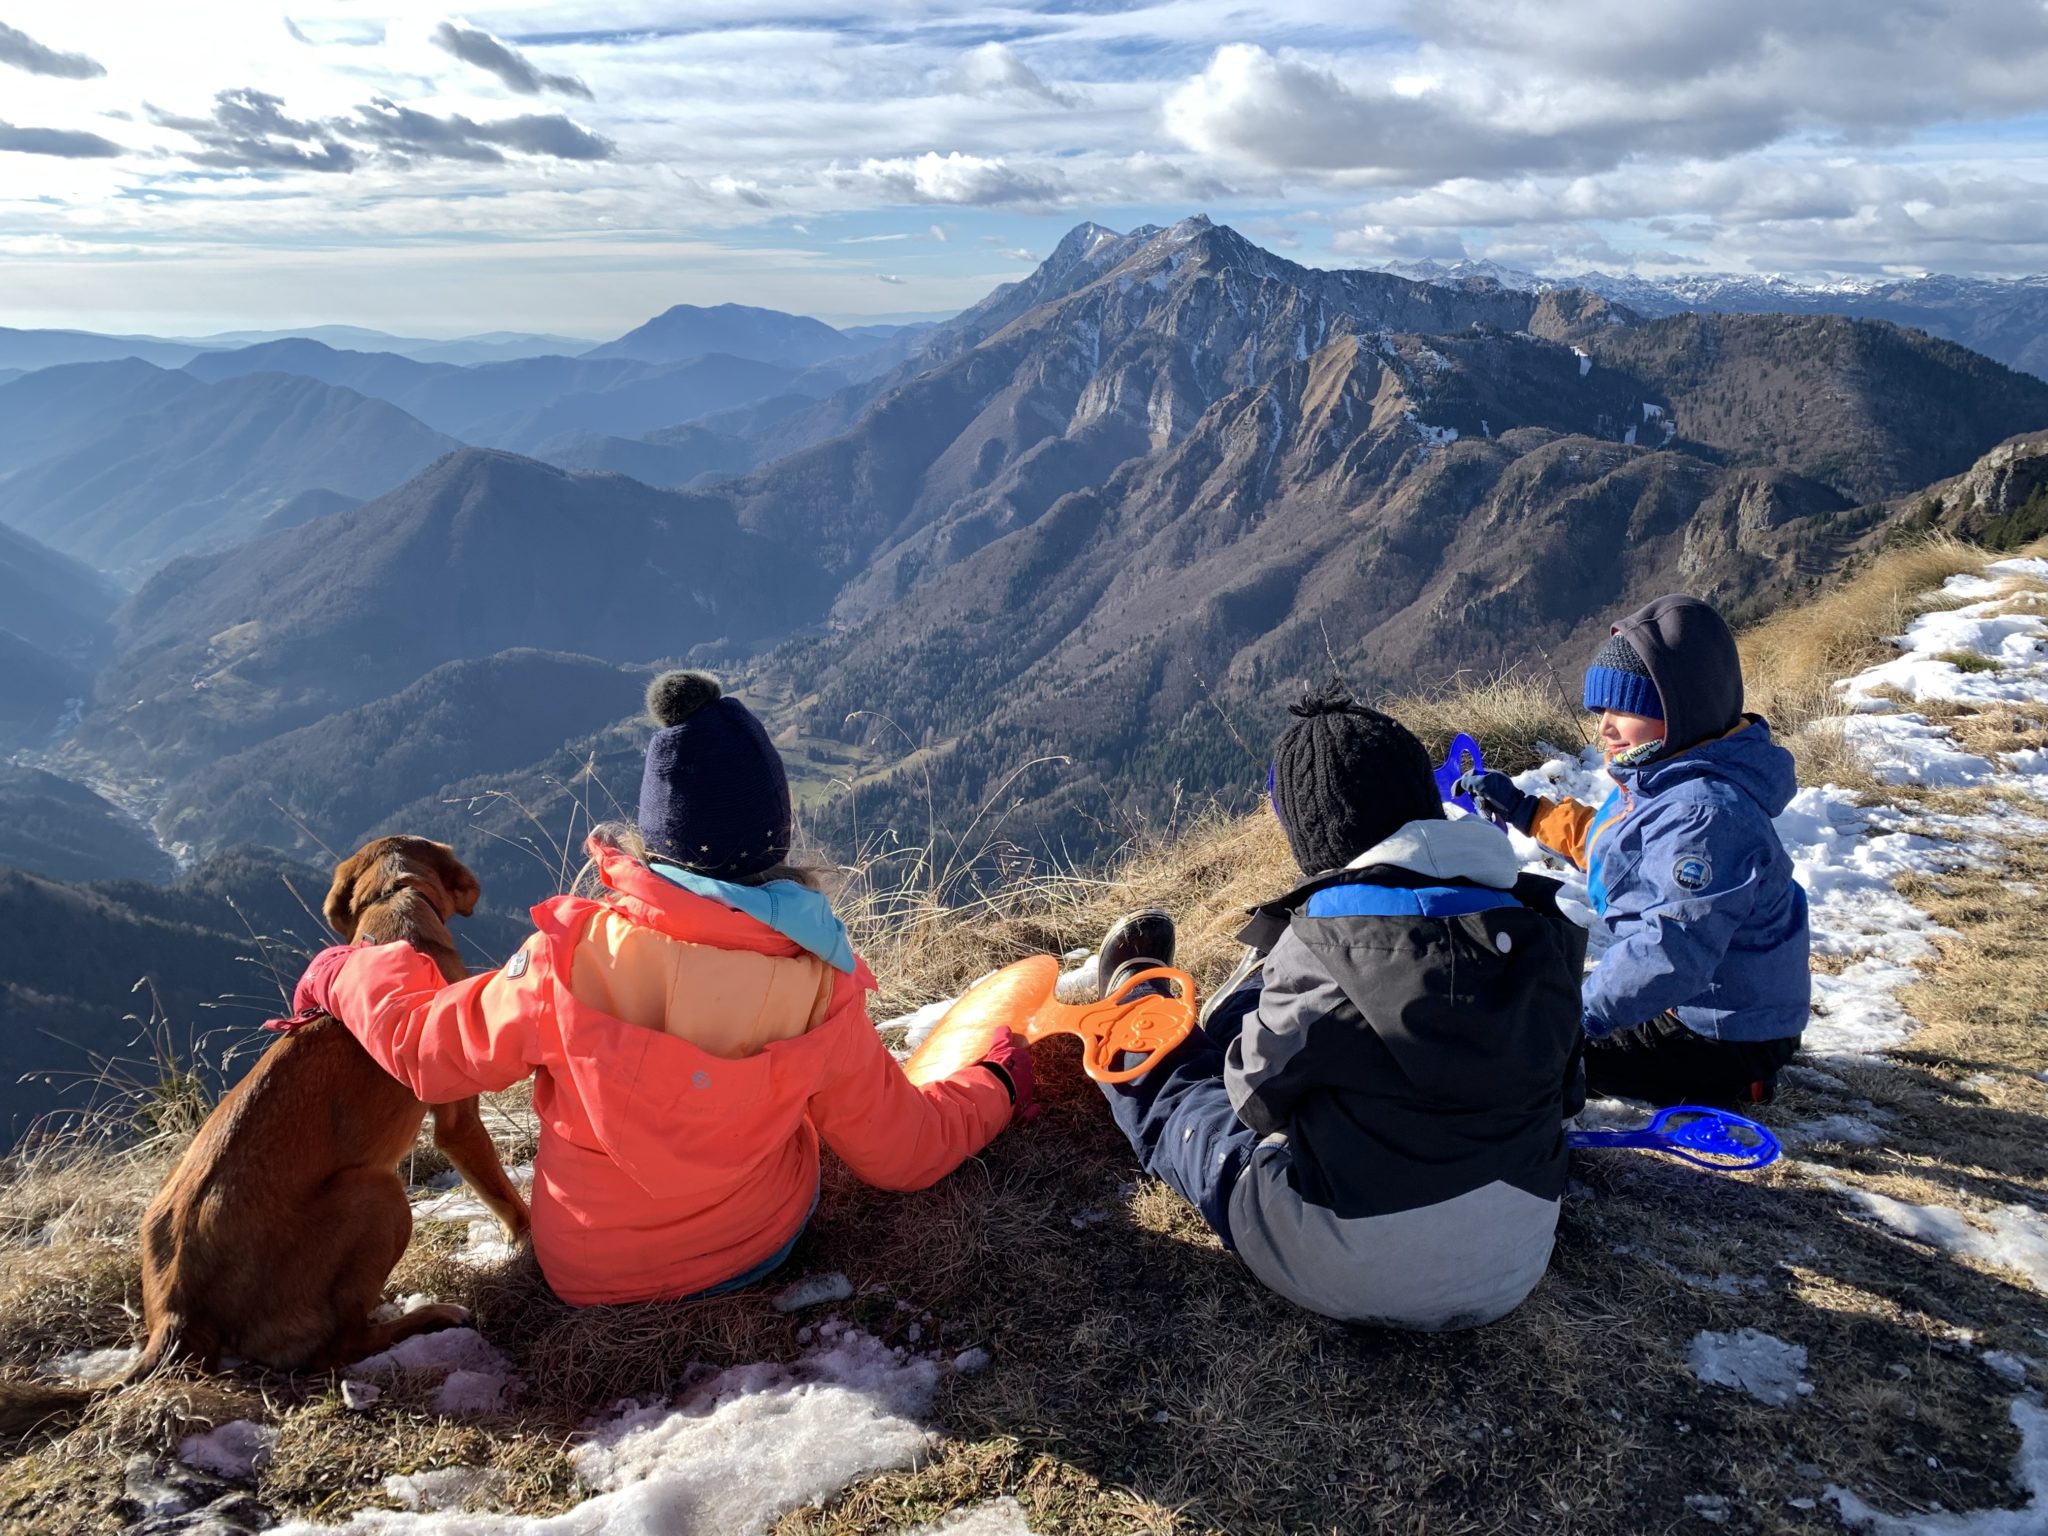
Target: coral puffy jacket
679	1142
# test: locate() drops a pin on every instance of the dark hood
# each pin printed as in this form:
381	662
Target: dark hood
1691	654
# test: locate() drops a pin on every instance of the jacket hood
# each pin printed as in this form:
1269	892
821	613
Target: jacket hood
1746	757
1468	848
1691	654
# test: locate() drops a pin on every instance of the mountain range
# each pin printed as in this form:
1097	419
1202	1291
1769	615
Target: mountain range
1069	550
2004	318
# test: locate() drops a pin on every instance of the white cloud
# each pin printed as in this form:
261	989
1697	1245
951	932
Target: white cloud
996	69
954	177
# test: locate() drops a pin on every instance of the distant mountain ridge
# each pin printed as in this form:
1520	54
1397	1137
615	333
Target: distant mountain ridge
203	470
483	552
2004	318
739	330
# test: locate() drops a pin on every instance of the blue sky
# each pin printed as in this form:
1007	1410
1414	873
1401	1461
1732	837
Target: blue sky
576	167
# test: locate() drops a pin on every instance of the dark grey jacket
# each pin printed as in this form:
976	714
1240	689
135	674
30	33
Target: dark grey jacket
1416	1019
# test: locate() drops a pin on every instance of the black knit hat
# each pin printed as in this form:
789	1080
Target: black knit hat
714	798
1344	778
1620	679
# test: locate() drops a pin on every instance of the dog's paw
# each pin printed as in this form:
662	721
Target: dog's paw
442	1314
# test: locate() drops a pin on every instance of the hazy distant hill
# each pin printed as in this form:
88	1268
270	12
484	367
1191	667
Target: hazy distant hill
674	456
336	781
523	402
47	349
482	553
205	469
53	602
738	330
38	691
49	413
52	826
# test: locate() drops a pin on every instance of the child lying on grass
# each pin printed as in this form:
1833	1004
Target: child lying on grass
1371	1115
695	1029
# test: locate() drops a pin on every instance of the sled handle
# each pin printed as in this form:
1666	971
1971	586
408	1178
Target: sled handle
1717	1139
1135	1019
1454	769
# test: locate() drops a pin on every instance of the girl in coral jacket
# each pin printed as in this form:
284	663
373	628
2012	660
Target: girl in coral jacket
694	1032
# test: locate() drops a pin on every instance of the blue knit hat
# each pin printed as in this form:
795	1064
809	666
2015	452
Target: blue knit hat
1620	679
714	798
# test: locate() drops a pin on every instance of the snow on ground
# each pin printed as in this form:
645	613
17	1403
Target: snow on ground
237	1450
996	1517
2006	629
475	1378
1768	1369
751	1444
2030	1471
88	1366
2012	1236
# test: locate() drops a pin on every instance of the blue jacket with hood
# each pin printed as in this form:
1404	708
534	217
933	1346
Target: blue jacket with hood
1682	860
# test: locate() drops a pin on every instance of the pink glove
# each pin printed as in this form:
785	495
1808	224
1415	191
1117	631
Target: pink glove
309	998
1010	1059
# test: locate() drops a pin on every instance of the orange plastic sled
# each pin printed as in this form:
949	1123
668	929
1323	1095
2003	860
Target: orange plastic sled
1019	997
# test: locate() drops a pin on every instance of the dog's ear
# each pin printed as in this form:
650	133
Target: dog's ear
342	907
461	885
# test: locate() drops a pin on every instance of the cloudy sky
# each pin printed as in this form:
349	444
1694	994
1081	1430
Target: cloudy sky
575	167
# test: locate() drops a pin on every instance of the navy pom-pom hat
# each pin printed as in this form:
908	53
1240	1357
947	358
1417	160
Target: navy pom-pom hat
1619	679
714	798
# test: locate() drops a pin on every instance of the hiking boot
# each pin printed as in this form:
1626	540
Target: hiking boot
1137	941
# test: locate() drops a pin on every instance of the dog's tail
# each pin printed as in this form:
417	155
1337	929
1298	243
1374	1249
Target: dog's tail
27	1406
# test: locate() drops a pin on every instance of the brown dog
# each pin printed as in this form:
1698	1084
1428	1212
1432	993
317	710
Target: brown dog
273	1238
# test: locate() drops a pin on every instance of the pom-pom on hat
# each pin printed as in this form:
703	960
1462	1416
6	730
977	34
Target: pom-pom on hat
1620	679
713	798
1345	778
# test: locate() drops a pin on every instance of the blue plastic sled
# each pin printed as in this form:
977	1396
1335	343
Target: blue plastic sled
1447	777
1709	1138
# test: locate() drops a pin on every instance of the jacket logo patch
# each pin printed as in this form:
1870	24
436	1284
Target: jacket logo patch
1692	872
516	966
700	1080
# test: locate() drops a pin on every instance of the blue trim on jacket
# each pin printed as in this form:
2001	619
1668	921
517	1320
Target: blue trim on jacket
1406	901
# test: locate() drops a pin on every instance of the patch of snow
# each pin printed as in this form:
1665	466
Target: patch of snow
90	1366
1711	1507
1629	437
1842	1130
1857	1012
993	1517
1585	362
968	1361
813	1291
918	1023
359	1395
237	1450
1907	749
752	1443
2016	1239
1651	412
2009	1367
2030	1471
1432	437
2016	644
442	1488
460	1203
465	1394
1767	1368
445	1349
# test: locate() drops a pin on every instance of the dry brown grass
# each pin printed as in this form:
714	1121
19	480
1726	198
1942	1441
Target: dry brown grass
1142	1382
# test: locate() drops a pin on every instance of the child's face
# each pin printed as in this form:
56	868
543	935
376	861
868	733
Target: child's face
1620	732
